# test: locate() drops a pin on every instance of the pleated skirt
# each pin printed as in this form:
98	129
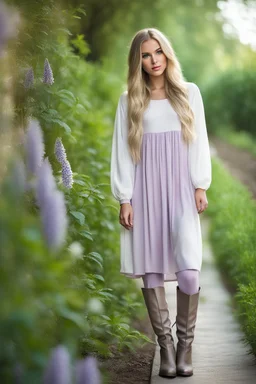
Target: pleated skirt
166	234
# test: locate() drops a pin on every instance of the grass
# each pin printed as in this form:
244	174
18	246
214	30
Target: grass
240	139
232	234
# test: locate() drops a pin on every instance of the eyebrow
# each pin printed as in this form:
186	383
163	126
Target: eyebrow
148	52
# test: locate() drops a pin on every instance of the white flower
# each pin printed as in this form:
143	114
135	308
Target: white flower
95	306
76	249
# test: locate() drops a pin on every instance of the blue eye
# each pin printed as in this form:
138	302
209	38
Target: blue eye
146	54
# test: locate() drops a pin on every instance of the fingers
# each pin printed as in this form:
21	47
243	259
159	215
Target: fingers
202	206
126	223
126	218
201	203
131	219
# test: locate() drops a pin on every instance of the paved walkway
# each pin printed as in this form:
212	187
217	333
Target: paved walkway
219	354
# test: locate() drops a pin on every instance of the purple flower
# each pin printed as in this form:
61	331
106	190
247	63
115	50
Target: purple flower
34	145
67	176
87	371
52	207
29	78
48	75
54	218
58	368
60	152
45	183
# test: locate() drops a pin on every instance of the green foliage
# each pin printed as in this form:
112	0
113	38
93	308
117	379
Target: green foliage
49	298
37	310
230	102
78	297
195	29
233	222
247	302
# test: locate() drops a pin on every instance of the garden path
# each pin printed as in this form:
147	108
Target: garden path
219	353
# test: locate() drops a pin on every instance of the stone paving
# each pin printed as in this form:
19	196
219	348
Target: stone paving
219	353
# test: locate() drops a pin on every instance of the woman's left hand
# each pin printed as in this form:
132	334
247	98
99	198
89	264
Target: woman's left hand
201	200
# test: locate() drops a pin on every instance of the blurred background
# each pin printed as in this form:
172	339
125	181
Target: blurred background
63	65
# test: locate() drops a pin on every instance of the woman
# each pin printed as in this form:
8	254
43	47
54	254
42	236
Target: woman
160	171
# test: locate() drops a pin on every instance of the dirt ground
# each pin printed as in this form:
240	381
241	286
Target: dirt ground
239	162
132	368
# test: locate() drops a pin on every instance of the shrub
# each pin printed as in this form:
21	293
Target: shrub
233	222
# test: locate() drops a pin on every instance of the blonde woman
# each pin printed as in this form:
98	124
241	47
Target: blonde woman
160	171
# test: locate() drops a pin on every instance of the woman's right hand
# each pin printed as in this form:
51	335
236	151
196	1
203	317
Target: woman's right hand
126	215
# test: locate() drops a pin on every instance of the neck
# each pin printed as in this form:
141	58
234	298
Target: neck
157	83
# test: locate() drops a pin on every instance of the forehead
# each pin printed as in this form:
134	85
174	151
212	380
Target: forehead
149	46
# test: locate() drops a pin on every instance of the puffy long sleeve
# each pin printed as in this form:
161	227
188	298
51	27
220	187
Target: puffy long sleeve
122	170
199	151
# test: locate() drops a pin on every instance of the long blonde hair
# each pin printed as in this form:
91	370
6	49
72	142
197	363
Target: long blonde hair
139	90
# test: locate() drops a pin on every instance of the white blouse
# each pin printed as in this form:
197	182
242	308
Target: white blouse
122	172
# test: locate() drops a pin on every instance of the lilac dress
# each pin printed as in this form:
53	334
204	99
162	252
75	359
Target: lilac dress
166	234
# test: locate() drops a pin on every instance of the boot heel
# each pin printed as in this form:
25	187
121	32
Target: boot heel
167	356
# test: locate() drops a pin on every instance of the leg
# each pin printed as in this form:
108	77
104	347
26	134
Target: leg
152	280
188	281
187	304
154	296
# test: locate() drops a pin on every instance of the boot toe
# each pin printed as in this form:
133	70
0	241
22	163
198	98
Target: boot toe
185	370
171	372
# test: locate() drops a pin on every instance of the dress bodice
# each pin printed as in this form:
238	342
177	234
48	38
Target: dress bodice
160	117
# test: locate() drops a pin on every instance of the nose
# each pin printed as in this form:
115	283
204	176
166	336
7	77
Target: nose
153	59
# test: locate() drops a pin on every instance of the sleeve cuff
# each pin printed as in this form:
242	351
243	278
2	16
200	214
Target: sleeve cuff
123	201
204	187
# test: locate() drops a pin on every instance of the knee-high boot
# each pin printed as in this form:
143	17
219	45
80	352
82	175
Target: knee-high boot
157	307
185	322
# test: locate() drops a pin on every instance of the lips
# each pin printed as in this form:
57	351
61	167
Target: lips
155	68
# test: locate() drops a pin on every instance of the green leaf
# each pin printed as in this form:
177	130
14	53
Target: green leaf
106	294
80	106
86	234
62	124
52	112
96	257
72	316
64	93
99	277
81	10
80	182
125	326
83	195
65	30
79	216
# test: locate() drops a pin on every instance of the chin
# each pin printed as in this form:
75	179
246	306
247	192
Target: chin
157	73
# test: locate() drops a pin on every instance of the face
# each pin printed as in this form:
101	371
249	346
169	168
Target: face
154	60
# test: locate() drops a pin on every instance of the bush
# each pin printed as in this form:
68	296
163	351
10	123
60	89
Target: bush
233	222
230	101
74	296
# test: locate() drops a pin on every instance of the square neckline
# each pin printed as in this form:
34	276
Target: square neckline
158	99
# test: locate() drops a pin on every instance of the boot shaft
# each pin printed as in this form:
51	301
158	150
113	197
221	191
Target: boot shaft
187	306
158	312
